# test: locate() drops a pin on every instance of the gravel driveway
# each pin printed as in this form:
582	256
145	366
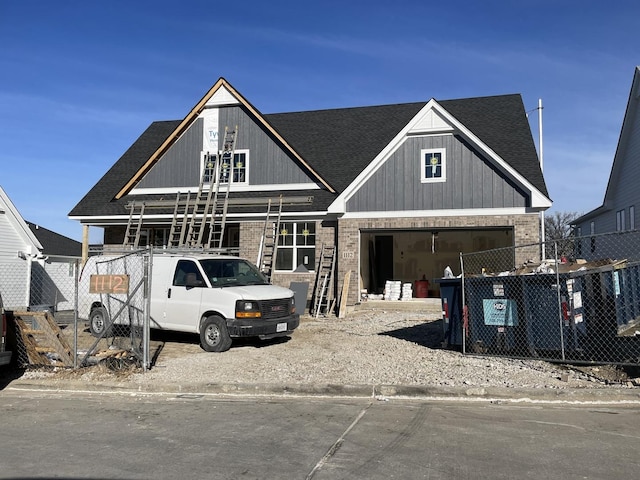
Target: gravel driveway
372	346
369	347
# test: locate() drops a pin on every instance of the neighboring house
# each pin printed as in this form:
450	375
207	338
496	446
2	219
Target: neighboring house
54	279
19	249
618	211
37	266
399	190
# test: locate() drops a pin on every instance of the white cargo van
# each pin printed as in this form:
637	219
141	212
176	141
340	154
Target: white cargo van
5	355
220	297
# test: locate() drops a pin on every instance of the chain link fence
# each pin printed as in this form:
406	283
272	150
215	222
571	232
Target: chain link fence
572	300
64	313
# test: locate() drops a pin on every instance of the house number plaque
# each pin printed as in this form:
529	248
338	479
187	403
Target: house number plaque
109	284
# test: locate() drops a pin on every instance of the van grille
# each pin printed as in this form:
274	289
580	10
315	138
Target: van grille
272	309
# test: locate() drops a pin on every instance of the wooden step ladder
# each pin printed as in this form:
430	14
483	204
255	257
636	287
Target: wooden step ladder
42	339
323	297
269	240
132	233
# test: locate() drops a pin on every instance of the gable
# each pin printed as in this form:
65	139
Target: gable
16	236
496	165
267	164
221	93
472	181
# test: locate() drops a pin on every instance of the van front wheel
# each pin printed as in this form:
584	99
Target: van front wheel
214	336
98	320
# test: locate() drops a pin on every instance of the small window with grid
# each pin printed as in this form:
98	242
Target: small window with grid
433	165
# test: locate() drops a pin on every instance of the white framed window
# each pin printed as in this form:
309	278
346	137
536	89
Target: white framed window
296	246
632	217
239	168
433	165
620	223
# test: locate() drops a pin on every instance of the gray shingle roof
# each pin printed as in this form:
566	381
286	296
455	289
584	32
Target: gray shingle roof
100	199
55	244
339	143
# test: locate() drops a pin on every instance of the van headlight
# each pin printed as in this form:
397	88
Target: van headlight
247	309
292	306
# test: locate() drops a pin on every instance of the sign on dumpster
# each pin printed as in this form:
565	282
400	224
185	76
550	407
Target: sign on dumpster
501	312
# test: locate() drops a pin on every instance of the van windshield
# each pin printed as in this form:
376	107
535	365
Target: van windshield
232	272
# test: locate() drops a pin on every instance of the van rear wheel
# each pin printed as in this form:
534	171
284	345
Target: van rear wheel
214	335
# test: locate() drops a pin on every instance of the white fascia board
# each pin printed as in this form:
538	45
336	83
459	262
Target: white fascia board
433	119
475	212
234	188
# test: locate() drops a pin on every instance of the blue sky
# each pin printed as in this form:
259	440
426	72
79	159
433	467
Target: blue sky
81	80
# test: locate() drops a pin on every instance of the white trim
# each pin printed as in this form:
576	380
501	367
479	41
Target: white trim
222	96
416	125
474	212
234	188
18	223
112	220
443	165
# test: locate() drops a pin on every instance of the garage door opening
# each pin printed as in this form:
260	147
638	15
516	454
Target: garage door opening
410	255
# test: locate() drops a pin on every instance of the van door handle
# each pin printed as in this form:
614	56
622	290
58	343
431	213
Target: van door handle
169	293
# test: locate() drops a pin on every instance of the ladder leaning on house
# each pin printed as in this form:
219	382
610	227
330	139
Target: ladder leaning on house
323	298
269	241
192	214
226	164
132	233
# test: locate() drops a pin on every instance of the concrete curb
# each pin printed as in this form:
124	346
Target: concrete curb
381	392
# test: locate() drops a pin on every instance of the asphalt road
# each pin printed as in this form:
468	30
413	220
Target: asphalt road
134	436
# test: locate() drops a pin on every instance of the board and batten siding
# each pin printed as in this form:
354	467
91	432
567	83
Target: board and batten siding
268	164
180	165
471	181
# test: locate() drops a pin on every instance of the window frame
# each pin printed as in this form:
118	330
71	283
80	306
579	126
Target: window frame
238	152
423	165
632	217
294	247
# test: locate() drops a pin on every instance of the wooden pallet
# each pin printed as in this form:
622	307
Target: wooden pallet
40	335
